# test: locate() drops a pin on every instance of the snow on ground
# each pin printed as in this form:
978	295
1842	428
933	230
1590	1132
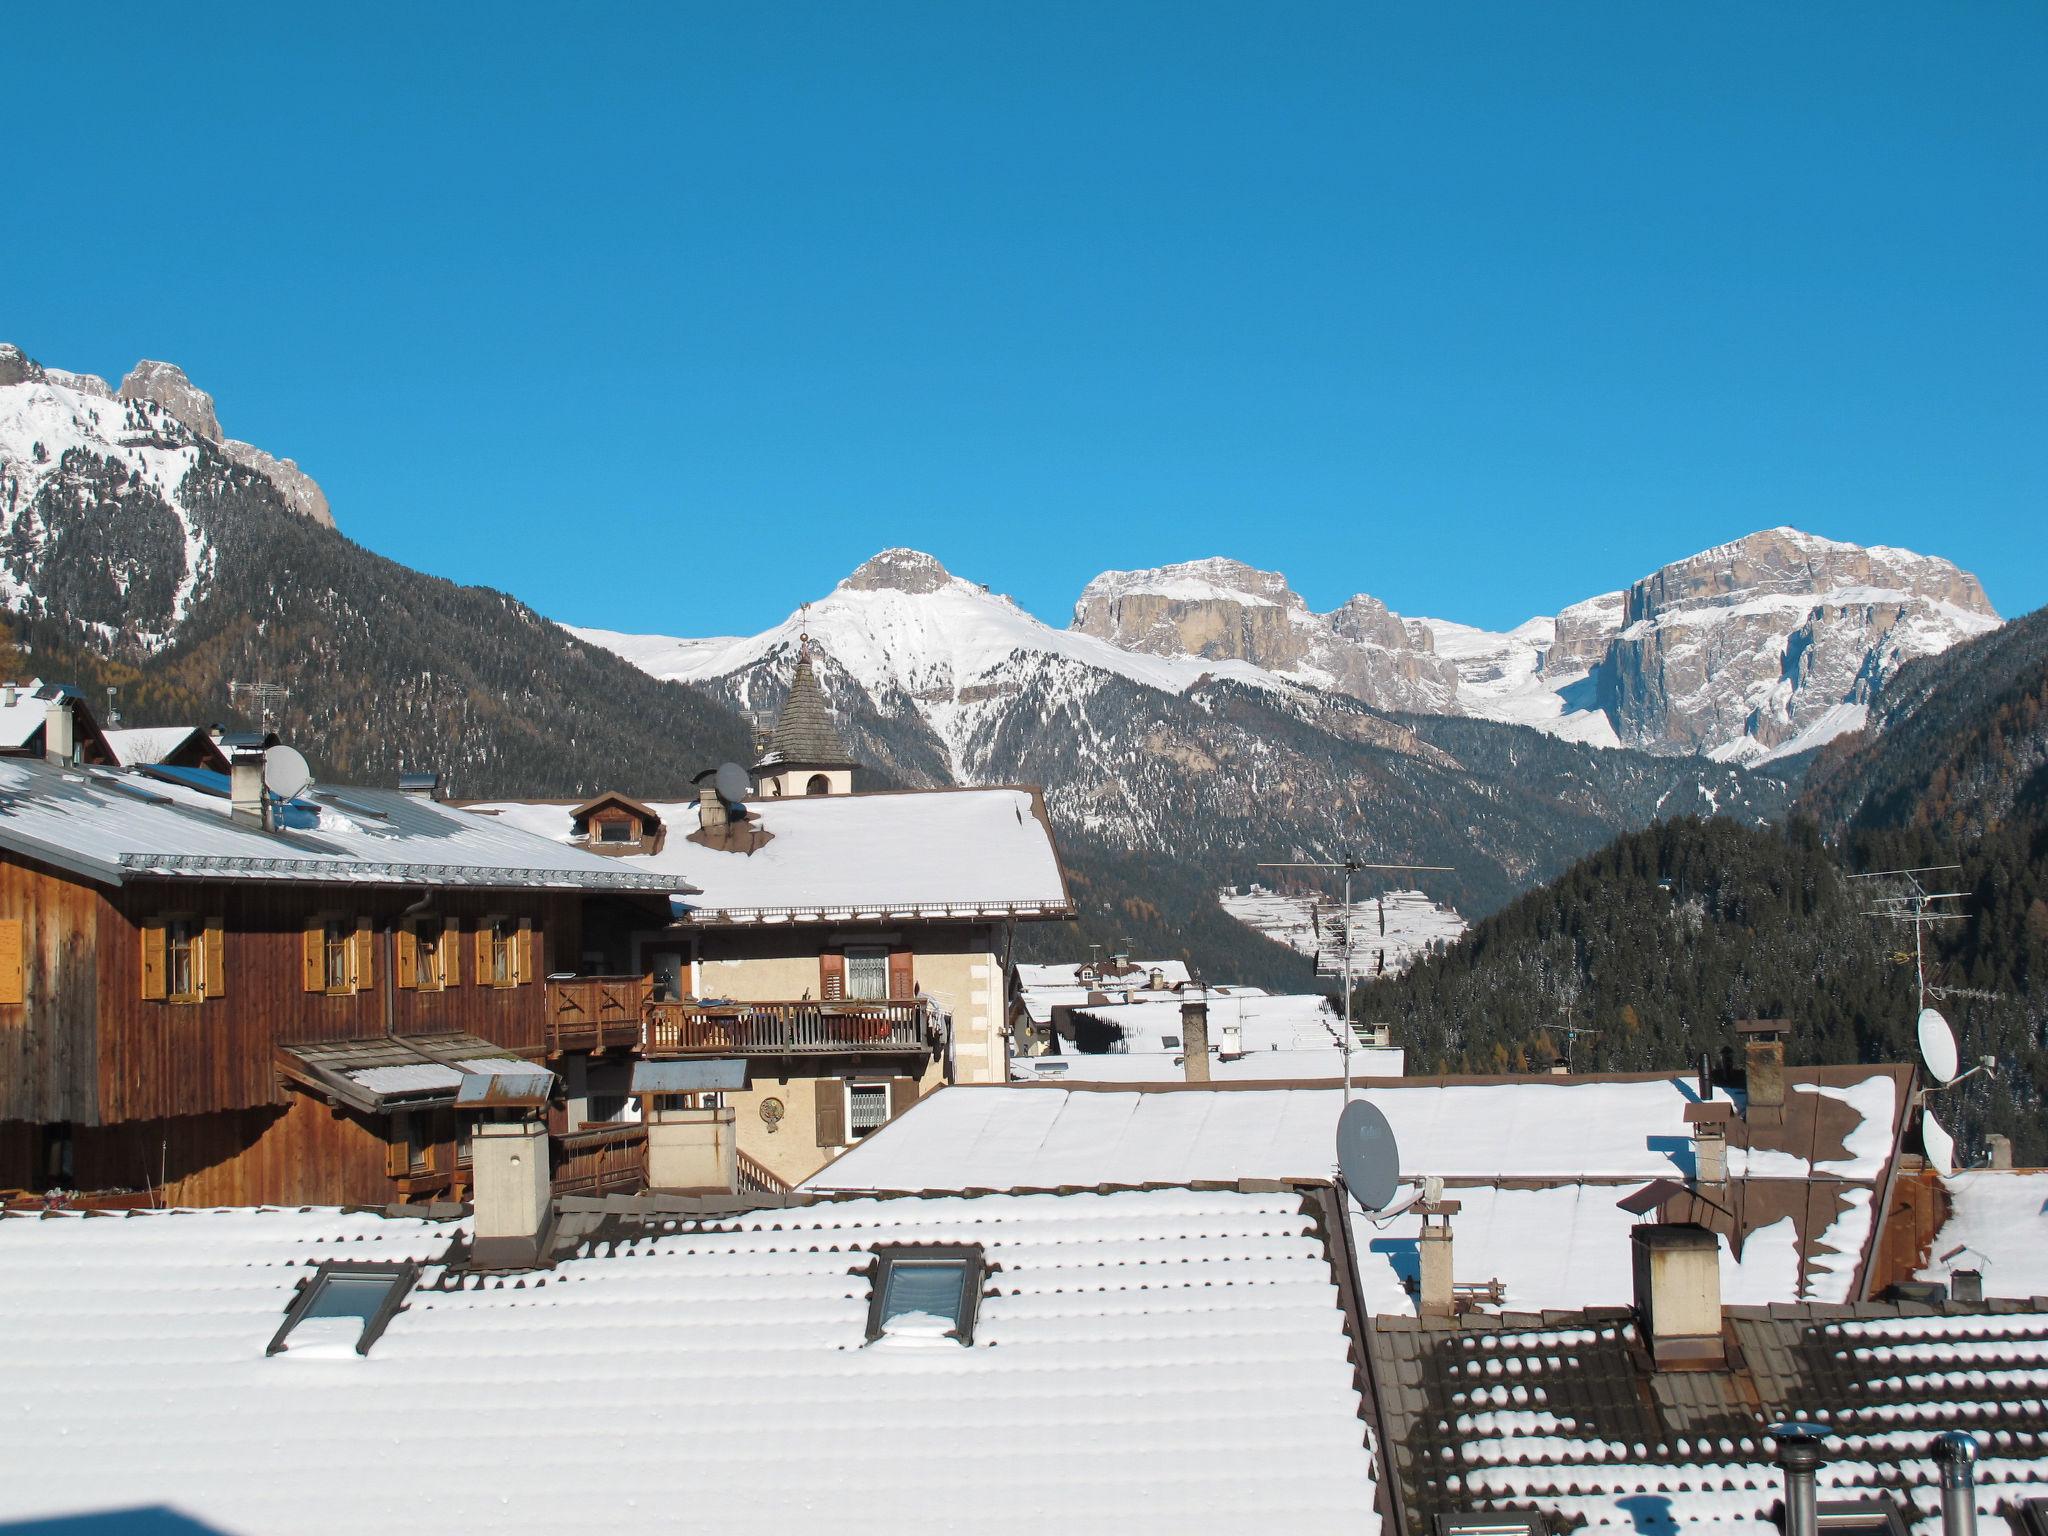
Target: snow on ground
1311	925
1997	1225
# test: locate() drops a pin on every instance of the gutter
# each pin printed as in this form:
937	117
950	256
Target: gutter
1334	1201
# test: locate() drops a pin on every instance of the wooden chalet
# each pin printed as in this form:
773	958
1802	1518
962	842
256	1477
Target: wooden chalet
209	995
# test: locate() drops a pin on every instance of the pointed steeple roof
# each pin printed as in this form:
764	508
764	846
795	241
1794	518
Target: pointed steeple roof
804	733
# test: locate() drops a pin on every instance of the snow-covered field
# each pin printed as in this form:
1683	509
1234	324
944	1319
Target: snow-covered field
1313	925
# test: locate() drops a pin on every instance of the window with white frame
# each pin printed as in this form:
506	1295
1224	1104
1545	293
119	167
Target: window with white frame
867	1108
867	974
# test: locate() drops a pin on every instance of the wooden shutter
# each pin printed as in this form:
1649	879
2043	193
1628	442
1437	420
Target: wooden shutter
313	964
12	986
214	978
831	1112
522	953
397	1150
408	956
483	952
901	982
365	941
451	954
832	976
153	960
902	1094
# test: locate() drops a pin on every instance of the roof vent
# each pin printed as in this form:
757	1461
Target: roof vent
425	784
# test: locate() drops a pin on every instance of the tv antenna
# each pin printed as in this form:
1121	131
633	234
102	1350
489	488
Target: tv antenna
113	706
263	700
1351	866
1915	905
1571	1033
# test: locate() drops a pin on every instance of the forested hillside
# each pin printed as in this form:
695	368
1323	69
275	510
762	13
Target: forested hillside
1659	942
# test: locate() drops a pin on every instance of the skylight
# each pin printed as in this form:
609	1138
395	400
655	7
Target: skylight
343	1307
925	1293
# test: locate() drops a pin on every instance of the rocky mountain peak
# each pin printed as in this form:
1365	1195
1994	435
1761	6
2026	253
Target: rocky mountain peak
899	570
165	384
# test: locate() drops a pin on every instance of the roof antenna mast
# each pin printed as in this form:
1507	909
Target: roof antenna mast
1349	866
263	700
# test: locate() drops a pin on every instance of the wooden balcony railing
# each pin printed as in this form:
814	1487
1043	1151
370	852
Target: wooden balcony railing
753	1179
594	1013
601	1160
802	1028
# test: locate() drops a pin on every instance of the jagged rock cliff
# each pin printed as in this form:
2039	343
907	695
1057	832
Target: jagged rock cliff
1225	610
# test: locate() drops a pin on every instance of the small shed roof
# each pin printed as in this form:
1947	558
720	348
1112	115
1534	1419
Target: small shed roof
392	1072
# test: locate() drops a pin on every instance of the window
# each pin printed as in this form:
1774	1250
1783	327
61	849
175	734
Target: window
419	1142
867	1108
1505	1522
925	1292
345	1306
867	974
1859	1517
617	830
337	954
2029	1515
184	958
504	952
339	938
818	785
424	954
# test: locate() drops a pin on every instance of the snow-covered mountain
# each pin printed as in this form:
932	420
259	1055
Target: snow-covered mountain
110	500
1750	651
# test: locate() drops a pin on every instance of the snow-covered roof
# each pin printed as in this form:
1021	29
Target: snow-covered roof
1265	1037
110	825
1558	1129
1067	973
133	746
904	853
1142	1361
1998	1226
1559	1414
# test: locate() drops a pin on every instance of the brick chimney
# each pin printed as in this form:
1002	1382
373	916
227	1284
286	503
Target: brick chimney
1763	1045
1678	1294
1709	1122
247	803
513	1192
60	731
1437	1296
1194	1037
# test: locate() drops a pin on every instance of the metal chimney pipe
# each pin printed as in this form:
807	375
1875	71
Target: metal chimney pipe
1956	1454
1799	1454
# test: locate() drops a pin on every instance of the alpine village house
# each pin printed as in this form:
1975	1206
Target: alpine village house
217	990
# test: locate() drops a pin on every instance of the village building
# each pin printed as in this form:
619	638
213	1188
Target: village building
52	722
211	993
167	746
844	953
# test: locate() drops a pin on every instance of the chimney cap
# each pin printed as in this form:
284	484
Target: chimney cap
1763	1028
1798	1445
1713	1112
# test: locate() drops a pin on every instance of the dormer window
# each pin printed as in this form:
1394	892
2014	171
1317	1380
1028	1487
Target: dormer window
343	1307
617	830
925	1294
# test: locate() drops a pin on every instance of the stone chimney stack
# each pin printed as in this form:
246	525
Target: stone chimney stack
1709	1122
60	731
247	803
1194	1037
1763	1043
1437	1297
711	811
1678	1294
513	1193
2000	1147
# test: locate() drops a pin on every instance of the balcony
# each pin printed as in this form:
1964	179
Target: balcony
608	1159
793	1029
594	1013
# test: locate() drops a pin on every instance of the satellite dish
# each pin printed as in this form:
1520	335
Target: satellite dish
731	783
1367	1155
1938	1047
1939	1145
286	773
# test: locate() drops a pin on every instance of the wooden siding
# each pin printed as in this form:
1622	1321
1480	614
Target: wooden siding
48	1041
163	1059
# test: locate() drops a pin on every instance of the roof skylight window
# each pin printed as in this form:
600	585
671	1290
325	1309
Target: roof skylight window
344	1307
1506	1522
925	1294
1878	1516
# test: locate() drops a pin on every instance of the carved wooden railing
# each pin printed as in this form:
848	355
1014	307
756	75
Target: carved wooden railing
799	1028
757	1180
601	1160
594	1013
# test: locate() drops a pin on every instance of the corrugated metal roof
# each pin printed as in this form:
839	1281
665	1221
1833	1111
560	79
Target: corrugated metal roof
88	822
716	1076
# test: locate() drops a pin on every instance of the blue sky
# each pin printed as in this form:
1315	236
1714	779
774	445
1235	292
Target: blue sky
663	319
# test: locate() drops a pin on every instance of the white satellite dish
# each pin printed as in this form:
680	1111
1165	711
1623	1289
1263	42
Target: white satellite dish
1939	1145
1367	1155
1938	1047
286	773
